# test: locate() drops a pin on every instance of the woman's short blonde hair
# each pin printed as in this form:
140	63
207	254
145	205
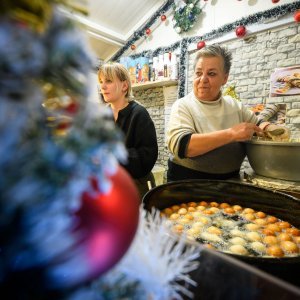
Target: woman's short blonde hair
111	71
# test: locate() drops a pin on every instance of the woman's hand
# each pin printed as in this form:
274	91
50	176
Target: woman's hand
244	131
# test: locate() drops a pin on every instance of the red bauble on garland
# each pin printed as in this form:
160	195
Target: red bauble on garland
148	31
297	16
163	17
107	223
200	45
133	47
275	1
240	31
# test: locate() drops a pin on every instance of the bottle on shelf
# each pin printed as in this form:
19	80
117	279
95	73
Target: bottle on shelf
155	69
173	67
160	70
167	63
150	74
169	66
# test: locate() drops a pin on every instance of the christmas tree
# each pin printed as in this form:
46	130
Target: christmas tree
57	151
61	185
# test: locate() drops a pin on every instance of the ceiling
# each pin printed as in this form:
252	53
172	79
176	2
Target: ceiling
111	23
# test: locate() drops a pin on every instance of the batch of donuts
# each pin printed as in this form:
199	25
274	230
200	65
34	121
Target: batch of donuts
234	229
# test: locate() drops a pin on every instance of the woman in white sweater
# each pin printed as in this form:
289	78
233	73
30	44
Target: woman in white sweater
205	128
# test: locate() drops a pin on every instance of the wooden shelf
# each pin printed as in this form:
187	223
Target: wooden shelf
153	84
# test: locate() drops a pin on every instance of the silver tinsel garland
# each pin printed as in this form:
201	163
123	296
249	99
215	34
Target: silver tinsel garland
157	266
260	17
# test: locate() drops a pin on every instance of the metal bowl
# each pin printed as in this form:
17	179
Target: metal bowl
280	160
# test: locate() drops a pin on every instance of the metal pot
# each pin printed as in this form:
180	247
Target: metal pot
280	160
280	205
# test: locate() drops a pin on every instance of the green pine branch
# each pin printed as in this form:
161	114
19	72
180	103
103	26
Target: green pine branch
186	17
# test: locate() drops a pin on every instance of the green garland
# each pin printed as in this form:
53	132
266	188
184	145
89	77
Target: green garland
184	43
185	14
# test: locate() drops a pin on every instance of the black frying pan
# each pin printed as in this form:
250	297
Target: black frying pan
278	204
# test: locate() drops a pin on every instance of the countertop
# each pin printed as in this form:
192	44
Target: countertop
289	187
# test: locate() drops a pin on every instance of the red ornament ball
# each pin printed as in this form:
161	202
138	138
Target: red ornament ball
148	31
240	31
72	108
63	125
163	17
133	47
297	16
200	45
107	224
275	1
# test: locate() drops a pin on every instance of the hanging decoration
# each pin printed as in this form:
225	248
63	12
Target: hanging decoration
275	1
148	31
240	31
133	47
185	14
200	45
163	18
183	63
297	16
251	19
259	17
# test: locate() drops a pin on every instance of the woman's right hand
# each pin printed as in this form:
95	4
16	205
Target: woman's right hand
244	131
